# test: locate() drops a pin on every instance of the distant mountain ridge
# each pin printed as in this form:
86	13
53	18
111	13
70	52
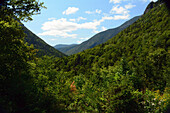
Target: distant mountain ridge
42	46
59	46
64	48
99	38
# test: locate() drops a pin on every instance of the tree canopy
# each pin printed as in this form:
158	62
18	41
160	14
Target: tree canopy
21	9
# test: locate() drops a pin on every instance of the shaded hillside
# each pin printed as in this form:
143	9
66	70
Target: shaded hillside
43	47
100	37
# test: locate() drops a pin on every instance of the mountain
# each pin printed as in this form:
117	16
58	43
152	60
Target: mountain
42	47
100	38
64	48
127	74
59	46
144	45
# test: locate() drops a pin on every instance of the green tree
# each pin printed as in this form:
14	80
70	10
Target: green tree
16	85
20	9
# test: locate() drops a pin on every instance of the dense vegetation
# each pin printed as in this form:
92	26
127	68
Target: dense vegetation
138	55
97	39
129	73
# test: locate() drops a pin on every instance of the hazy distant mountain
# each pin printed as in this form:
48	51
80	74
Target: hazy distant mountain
59	46
64	47
100	38
43	47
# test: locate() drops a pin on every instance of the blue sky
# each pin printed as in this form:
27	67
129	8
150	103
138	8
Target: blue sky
75	21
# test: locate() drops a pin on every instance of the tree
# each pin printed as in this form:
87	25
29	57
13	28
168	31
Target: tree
15	81
20	9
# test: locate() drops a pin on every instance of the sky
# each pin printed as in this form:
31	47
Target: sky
75	21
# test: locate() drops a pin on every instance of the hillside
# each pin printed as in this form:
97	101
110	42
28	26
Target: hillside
133	63
100	38
127	74
43	47
145	46
148	35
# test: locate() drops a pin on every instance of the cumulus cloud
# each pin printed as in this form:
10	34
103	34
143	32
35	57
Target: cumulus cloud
81	18
115	1
129	6
119	10
51	18
73	20
70	10
64	28
53	39
97	11
78	19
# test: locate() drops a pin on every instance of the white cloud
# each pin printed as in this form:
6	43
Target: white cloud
78	19
64	28
81	18
53	39
119	10
97	11
129	6
73	20
51	18
115	1
70	10
122	17
89	12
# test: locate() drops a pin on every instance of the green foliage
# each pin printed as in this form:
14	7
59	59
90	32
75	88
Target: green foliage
14	67
21	9
116	76
127	74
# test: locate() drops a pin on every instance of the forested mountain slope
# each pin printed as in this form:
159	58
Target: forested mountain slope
144	45
100	38
127	74
42	47
147	35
